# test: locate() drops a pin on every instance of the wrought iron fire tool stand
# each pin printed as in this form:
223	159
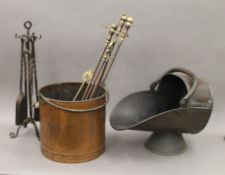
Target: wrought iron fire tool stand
27	107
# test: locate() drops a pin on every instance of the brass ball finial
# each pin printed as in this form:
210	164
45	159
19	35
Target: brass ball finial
130	19
113	26
87	76
124	14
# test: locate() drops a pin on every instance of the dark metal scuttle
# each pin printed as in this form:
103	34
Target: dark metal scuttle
177	103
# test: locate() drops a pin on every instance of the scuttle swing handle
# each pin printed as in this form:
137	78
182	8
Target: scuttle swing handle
184	100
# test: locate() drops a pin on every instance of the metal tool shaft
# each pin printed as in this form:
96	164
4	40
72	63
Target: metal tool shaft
96	73
116	34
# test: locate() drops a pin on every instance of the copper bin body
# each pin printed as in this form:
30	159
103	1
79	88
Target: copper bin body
70	131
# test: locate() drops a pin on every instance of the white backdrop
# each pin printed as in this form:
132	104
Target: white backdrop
165	34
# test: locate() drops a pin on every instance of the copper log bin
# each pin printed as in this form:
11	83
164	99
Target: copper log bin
71	132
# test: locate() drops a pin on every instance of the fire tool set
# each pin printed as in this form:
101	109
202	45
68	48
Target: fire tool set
27	109
72	115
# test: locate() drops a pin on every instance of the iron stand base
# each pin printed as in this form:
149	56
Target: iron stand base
24	124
